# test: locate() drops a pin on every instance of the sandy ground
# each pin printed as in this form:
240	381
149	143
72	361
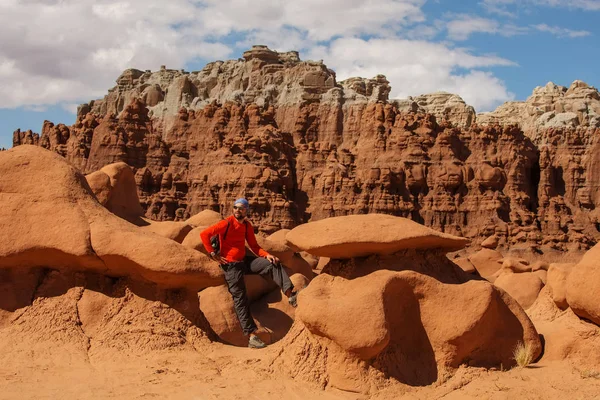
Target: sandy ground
225	372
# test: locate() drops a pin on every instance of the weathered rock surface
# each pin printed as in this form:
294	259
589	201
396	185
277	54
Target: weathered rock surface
550	106
204	218
114	186
444	106
51	219
490	243
557	283
583	286
361	235
487	262
523	287
405	329
302	146
566	336
176	231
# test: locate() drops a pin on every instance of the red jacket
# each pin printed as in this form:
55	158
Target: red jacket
233	248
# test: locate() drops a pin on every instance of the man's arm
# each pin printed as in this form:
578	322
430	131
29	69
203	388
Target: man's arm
256	249
216	229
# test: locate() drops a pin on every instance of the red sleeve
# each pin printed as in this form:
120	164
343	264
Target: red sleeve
216	229
256	249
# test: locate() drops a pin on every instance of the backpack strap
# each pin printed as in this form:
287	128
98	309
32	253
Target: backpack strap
246	232
226	230
224	236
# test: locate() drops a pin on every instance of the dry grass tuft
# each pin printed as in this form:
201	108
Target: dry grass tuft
523	354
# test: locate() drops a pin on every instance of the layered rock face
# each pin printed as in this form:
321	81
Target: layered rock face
550	106
444	106
564	124
302	146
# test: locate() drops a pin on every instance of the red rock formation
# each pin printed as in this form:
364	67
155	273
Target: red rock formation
410	328
302	147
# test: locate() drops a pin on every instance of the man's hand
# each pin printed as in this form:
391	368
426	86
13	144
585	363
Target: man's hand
272	259
218	258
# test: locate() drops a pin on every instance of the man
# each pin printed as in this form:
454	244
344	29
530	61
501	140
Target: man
233	232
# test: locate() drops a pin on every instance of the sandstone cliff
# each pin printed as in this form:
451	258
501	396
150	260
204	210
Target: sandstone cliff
302	146
550	106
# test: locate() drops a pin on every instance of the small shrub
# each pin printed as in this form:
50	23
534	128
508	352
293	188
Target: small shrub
523	354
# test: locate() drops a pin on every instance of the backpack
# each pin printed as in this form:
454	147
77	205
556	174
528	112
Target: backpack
216	243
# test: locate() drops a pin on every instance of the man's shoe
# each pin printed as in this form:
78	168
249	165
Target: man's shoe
255	343
293	299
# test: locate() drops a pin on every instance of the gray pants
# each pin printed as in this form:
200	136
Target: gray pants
234	275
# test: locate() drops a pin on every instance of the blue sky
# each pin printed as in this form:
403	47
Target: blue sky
55	54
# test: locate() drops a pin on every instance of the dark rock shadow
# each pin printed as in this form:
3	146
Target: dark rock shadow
409	357
430	262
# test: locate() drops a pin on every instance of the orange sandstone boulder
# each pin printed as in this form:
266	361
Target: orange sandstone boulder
204	218
448	323
193	241
523	287
174	230
490	243
405	324
62	225
542	274
487	262
515	265
362	235
465	264
120	191
557	283
566	336
583	286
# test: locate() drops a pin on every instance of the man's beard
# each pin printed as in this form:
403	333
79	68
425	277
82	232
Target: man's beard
240	218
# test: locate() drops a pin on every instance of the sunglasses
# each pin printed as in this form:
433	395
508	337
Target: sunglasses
239	207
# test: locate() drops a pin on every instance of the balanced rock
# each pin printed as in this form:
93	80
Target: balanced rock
404	323
361	235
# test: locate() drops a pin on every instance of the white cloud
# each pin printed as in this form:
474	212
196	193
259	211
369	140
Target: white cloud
418	67
321	20
55	51
66	51
502	6
561	32
463	26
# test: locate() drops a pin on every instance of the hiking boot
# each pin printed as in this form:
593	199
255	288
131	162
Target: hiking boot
293	299
255	343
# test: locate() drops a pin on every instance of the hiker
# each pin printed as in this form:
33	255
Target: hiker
233	233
